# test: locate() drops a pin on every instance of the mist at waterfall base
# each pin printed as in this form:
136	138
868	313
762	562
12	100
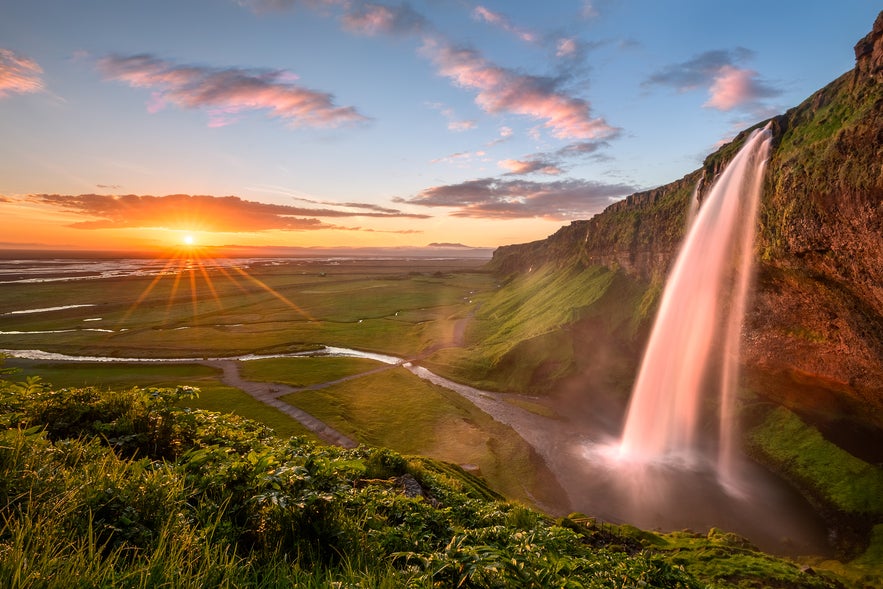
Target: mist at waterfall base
677	463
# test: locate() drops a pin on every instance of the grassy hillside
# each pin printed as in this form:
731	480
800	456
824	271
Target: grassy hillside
128	489
525	336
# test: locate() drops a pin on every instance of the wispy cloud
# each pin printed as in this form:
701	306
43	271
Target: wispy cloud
590	9
18	74
460	156
501	90
502	21
729	85
455	123
195	212
225	93
376	19
551	163
567	47
375	208
529	166
492	198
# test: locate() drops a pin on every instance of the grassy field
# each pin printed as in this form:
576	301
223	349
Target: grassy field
398	307
305	370
398	410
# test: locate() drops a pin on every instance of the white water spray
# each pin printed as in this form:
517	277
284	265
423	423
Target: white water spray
697	330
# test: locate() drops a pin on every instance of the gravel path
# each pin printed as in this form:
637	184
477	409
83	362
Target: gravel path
269	394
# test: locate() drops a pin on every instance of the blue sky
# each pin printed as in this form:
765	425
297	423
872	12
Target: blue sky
351	123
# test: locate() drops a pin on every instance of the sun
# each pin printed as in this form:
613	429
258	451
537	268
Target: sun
188	239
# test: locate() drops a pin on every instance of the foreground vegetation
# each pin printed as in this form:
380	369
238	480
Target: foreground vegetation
130	489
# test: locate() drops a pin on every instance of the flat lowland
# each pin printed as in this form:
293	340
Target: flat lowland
193	309
196	311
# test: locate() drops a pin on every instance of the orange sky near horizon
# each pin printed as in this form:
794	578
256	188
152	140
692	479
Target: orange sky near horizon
32	223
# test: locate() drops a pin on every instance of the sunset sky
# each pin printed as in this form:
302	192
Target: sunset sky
133	125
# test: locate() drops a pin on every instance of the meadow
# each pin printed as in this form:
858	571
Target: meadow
407	308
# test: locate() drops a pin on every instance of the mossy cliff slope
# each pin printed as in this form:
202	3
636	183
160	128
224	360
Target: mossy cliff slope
817	316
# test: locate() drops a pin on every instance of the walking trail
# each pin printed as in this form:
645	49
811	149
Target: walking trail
269	393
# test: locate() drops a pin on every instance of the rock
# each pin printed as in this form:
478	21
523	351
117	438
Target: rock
869	52
411	486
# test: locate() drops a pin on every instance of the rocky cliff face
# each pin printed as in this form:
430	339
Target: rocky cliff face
814	337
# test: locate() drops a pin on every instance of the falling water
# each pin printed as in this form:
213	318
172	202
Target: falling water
694	203
694	344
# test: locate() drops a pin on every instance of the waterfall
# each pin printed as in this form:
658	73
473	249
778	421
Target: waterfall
694	345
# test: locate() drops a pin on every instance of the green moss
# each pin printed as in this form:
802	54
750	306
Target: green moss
836	477
806	334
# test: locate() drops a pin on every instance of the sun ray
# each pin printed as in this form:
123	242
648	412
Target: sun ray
146	292
194	296
273	292
174	290
210	283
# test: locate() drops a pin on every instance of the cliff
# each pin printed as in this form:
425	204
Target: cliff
814	335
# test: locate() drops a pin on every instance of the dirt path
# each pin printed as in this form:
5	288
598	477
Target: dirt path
269	393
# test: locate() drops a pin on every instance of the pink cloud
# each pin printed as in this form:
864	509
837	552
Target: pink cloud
503	90
454	123
459	126
733	87
375	19
566	47
502	21
18	74
729	86
521	167
226	93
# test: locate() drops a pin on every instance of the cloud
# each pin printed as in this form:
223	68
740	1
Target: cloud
363	205
589	9
735	87
501	90
491	198
698	72
522	167
502	21
18	74
5	199
454	124
551	163
227	92
375	19
729	86
566	47
194	212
